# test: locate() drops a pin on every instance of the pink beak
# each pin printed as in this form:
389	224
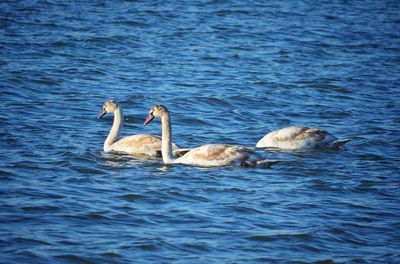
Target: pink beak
149	118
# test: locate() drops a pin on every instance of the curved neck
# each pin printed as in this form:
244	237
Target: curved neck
114	132
166	137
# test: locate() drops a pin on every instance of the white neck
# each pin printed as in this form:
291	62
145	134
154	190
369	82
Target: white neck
114	132
166	137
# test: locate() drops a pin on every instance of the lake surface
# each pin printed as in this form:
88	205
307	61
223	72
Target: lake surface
229	72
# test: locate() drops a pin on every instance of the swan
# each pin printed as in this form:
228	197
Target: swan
135	144
209	155
299	137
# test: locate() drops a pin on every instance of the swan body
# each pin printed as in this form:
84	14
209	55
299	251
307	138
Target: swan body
298	137
135	144
209	155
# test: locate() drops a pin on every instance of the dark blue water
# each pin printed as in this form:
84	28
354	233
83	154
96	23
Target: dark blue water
229	71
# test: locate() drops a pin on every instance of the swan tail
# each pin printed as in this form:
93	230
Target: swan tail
339	142
259	163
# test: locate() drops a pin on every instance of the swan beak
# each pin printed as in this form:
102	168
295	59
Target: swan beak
148	119
103	113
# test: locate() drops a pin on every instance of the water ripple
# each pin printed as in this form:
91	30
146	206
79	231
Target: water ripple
229	73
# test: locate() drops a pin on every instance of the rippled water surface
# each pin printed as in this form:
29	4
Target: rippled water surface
229	71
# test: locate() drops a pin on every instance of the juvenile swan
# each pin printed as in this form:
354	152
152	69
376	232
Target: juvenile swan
298	137
210	155
135	144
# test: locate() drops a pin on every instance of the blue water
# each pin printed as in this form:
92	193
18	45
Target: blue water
229	72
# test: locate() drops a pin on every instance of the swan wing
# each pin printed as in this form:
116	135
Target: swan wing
140	144
211	155
296	137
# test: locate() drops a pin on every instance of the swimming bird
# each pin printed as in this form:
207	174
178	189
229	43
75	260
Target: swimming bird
299	137
135	144
209	155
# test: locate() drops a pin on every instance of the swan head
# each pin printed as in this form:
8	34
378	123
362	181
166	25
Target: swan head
156	111
108	107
